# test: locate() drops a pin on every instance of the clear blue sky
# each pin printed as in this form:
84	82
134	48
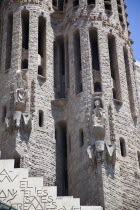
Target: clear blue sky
133	10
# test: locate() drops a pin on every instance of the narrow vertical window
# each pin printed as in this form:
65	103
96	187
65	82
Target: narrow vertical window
4	113
122	147
108	6
25	38
139	158
94	49
114	68
93	35
77	59
75	3
61	159
42	44
59	67
91	2
41	118
9	41
67	62
17	158
129	81
81	137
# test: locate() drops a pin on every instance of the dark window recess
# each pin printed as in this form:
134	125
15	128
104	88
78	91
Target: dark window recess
41	118
97	87
17	158
9	41
25	29
41	36
61	5
61	159
40	70
42	44
108	6
139	158
114	67
94	49
4	113
24	64
77	62
90	2
122	147
54	3
81	138
75	3
59	68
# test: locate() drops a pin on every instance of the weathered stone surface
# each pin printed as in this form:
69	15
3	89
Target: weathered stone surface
113	183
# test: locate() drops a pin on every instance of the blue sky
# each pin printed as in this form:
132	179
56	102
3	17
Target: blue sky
133	10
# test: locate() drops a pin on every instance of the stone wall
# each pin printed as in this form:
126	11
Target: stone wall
111	180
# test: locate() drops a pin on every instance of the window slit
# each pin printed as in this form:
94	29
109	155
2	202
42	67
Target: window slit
42	45
78	66
114	68
9	41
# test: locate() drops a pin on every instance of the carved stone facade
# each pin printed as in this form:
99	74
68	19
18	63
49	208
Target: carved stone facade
69	106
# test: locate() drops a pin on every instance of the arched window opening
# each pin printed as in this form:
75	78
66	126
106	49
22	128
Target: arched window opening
75	3
108	6
129	81
41	118
81	137
122	147
24	64
4	113
94	48
91	2
25	29
114	68
61	159
59	67
138	153
9	41
77	62
17	158
97	87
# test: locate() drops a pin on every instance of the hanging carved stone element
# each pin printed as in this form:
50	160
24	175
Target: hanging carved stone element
17	117
100	151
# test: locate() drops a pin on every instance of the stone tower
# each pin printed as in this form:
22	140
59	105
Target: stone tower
69	108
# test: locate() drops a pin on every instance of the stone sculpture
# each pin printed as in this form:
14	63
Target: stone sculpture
99	149
21	93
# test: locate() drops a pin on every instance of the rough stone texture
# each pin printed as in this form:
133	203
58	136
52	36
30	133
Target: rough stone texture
111	186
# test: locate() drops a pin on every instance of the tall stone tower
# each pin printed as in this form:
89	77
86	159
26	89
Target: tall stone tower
69	108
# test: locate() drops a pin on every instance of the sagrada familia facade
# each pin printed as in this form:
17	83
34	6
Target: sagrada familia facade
69	107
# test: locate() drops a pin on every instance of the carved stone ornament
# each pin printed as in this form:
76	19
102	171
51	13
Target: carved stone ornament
100	151
21	93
